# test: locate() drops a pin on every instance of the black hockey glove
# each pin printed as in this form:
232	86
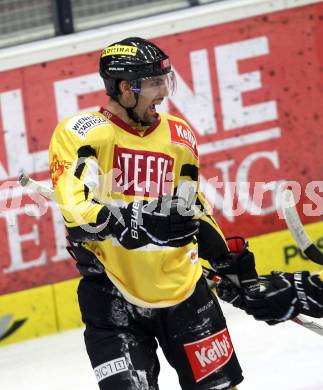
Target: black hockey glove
164	221
224	288
230	293
238	265
276	302
284	295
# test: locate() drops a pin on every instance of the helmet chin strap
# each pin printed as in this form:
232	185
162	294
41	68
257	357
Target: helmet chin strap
131	113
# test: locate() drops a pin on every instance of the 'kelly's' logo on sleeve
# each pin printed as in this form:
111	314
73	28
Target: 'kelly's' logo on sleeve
181	134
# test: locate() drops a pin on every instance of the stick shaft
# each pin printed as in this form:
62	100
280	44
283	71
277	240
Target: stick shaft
297	229
25	181
308	324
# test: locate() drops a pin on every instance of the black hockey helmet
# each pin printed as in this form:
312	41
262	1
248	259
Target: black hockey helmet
131	59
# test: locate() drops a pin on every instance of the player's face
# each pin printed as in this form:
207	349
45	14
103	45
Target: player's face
152	93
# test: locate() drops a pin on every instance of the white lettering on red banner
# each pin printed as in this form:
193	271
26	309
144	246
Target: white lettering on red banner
209	354
142	173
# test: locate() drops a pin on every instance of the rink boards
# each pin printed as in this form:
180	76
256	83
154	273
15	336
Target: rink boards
39	311
53	308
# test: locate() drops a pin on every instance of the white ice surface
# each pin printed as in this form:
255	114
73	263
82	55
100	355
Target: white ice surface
284	357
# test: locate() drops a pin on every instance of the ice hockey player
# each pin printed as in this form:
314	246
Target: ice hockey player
120	177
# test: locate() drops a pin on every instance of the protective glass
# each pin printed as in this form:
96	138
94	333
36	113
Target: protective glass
164	85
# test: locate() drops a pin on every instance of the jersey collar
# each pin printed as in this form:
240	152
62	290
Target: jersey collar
119	122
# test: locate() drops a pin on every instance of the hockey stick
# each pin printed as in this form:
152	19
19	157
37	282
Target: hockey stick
309	324
25	181
307	246
296	227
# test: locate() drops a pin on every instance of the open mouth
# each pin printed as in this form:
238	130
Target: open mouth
152	108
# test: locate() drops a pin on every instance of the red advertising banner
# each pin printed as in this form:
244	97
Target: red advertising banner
250	89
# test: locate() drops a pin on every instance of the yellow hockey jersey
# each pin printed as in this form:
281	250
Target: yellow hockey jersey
96	158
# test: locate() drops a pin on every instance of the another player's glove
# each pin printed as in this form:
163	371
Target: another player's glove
164	221
238	265
224	288
284	295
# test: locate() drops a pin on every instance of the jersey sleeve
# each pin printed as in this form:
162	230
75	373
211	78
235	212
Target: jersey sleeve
74	170
211	242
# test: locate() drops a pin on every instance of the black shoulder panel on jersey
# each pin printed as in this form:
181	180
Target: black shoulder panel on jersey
212	247
190	170
83	153
86	151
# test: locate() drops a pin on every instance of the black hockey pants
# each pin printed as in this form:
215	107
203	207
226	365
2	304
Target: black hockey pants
121	339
